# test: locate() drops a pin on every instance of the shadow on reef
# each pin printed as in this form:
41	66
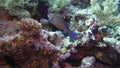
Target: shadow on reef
42	10
10	61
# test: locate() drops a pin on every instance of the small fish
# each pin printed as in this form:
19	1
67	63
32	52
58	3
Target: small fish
58	21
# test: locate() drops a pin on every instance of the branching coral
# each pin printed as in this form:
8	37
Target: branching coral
105	11
17	7
57	5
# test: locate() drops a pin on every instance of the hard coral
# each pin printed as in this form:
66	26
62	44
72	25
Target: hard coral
57	5
88	62
105	11
17	7
29	27
28	47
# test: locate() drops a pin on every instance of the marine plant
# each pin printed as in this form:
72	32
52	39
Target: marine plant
18	8
105	11
57	5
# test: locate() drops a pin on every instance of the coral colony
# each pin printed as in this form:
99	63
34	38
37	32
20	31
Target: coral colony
59	34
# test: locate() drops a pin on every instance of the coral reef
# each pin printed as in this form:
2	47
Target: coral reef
57	5
29	27
105	11
34	47
81	3
18	8
88	62
32	42
20	46
36	43
8	28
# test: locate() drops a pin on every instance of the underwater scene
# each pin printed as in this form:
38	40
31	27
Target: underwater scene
59	33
